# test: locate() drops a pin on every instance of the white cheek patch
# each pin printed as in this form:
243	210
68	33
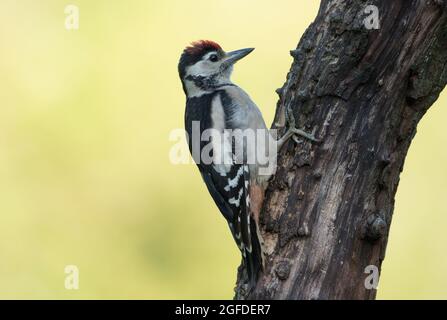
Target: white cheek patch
196	69
203	68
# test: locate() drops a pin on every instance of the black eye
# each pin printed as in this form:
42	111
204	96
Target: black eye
214	58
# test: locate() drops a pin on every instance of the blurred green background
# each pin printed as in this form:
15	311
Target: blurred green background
85	177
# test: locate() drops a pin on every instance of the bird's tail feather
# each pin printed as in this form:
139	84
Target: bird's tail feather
252	248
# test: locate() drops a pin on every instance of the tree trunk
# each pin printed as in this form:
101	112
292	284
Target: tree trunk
328	210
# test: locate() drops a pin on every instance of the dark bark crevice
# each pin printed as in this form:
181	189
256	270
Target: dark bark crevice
328	209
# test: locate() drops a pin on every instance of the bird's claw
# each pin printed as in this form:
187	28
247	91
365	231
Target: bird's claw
293	132
301	133
290	119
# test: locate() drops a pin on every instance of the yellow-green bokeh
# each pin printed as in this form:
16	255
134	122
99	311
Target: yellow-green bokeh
85	177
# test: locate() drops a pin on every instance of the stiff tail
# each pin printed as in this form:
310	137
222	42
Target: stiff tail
250	236
253	259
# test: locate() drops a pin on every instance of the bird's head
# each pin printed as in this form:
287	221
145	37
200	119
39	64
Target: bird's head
204	66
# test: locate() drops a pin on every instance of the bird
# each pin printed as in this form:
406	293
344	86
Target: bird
217	114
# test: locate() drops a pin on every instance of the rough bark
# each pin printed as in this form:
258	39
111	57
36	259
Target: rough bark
328	210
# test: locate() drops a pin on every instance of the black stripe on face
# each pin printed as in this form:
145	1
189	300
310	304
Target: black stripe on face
204	83
207	83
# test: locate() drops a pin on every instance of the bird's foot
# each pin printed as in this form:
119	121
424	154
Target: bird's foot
293	132
297	132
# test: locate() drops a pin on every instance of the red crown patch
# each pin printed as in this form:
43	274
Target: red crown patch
198	47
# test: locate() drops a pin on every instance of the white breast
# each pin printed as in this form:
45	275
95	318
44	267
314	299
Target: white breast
221	142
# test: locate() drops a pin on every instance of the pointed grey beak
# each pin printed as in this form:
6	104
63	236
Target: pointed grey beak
234	56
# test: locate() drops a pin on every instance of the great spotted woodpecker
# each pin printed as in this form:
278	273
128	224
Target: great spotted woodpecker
217	106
